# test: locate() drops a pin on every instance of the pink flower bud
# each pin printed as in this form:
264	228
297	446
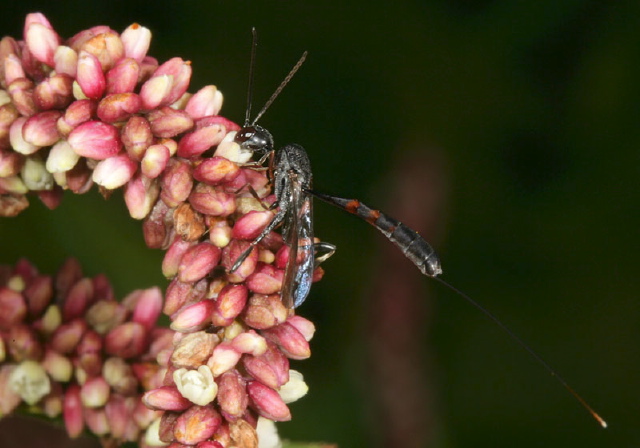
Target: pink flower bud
249	342
304	326
38	294
89	76
105	315
72	410
231	253
33	68
13	69
54	92
266	279
180	73
77	113
123	77
229	304
197	424
57	366
177	295
223	358
33	18
166	398
148	308
136	40
96	420
16	137
77	300
216	170
265	311
66	61
23	343
143	416
209	201
271	368
291	341
193	317
167	122
13	308
140	195
114	172
40	129
126	340
21	92
118	410
10	163
94	393
68	274
148	66
136	136
91	343
155	160
67	336
154	92
195	143
10	399
95	140
106	47
177	183
198	261
268	402
249	226
118	107
219	232
206	101
194	349
119	375
42	42
232	395
173	256
79	177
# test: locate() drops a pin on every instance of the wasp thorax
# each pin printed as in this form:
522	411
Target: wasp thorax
255	138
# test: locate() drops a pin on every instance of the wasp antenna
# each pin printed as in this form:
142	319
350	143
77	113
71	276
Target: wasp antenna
280	87
252	63
531	352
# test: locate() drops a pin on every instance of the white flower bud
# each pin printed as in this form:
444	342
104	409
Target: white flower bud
197	386
152	435
267	434
293	389
30	381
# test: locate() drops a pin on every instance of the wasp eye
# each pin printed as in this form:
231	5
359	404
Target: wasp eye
244	134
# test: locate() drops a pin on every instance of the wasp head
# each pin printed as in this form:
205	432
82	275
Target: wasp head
255	138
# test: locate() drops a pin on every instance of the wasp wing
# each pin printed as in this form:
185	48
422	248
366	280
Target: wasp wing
298	234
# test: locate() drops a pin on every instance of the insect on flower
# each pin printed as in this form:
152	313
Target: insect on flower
290	172
290	176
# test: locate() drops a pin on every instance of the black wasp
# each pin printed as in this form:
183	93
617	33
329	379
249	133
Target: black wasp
290	172
290	176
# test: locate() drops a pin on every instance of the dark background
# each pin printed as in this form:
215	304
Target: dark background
510	129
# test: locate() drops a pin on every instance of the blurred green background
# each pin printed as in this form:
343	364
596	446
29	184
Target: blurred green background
525	117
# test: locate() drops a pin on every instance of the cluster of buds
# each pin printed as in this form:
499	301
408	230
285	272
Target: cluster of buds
68	348
97	109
